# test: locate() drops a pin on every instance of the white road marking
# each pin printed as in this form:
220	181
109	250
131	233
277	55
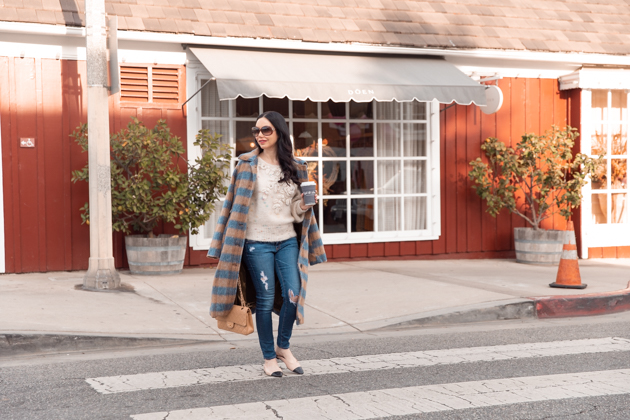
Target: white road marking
172	379
417	399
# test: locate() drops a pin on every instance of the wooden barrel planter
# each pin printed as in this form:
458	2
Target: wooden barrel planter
538	247
155	256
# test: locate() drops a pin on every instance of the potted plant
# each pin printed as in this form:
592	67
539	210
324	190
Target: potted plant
538	178
153	183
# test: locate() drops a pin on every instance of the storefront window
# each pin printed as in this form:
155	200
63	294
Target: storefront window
370	160
609	138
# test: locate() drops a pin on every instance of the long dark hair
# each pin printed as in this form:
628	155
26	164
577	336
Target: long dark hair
285	150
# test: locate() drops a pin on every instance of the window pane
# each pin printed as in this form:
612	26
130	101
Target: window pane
208	227
619	105
304	109
415	177
316	213
362	139
244	139
599	208
312	169
414	110
335	216
619	178
211	106
334	178
599	145
388	110
389	214
362	215
217	127
389	177
362	177
388	139
619	136
280	105
599	103
619	209
600	177
415	140
332	109
361	110
305	138
247	107
415	213
334	136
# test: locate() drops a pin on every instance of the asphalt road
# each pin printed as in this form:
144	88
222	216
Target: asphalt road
498	354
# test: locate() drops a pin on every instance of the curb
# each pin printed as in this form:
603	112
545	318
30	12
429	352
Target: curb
16	344
530	308
483	312
583	305
27	344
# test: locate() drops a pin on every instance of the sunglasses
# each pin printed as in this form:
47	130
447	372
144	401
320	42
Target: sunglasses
266	130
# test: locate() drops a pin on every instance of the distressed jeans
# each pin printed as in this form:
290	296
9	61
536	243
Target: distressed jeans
266	261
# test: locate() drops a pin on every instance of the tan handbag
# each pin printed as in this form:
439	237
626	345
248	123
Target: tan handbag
239	320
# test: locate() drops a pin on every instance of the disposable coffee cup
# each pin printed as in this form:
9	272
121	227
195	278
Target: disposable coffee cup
308	189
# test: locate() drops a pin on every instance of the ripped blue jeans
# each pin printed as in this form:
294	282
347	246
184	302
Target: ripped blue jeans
265	261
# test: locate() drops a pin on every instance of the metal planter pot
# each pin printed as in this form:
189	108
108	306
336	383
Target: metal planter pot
155	256
538	247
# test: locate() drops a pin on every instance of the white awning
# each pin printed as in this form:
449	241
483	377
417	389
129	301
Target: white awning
320	77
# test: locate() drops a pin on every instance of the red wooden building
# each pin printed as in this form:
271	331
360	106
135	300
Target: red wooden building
394	173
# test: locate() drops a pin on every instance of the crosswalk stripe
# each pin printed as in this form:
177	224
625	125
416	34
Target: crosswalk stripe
171	379
416	400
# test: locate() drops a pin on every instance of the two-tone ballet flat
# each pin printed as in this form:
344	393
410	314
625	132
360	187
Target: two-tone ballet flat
294	367
275	374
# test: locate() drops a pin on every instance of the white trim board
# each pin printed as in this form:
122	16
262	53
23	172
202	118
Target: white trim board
597	79
73	48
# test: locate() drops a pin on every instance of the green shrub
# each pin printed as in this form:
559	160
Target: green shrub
538	178
152	182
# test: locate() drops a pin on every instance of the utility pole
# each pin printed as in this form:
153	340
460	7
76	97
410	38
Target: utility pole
101	274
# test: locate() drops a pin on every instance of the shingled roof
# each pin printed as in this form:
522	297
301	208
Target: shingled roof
589	26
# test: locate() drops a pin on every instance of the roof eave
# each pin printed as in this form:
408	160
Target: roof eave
358	48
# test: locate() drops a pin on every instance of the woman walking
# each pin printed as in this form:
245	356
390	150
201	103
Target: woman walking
266	228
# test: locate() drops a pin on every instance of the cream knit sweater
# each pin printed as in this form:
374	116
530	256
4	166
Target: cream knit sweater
274	206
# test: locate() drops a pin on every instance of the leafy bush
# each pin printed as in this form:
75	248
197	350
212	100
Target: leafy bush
152	182
538	178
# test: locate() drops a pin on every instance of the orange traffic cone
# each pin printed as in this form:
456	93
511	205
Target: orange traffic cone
568	271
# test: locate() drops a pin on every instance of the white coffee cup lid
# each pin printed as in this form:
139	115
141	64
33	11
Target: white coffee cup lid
307	183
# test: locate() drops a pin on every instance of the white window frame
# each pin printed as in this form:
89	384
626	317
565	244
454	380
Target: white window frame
196	72
609	234
2	253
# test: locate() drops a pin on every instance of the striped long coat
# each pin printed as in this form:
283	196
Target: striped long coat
229	237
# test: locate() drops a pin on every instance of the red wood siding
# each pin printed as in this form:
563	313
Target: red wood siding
529	105
46	99
43	99
609	252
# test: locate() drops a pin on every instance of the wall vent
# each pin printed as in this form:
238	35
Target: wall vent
165	84
134	84
149	84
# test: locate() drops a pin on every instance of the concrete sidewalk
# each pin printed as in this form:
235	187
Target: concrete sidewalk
342	297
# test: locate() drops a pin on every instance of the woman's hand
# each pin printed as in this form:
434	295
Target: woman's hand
303	206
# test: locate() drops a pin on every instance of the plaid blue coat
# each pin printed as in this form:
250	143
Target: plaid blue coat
229	238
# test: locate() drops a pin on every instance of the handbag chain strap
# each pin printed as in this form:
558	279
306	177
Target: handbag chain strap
240	292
